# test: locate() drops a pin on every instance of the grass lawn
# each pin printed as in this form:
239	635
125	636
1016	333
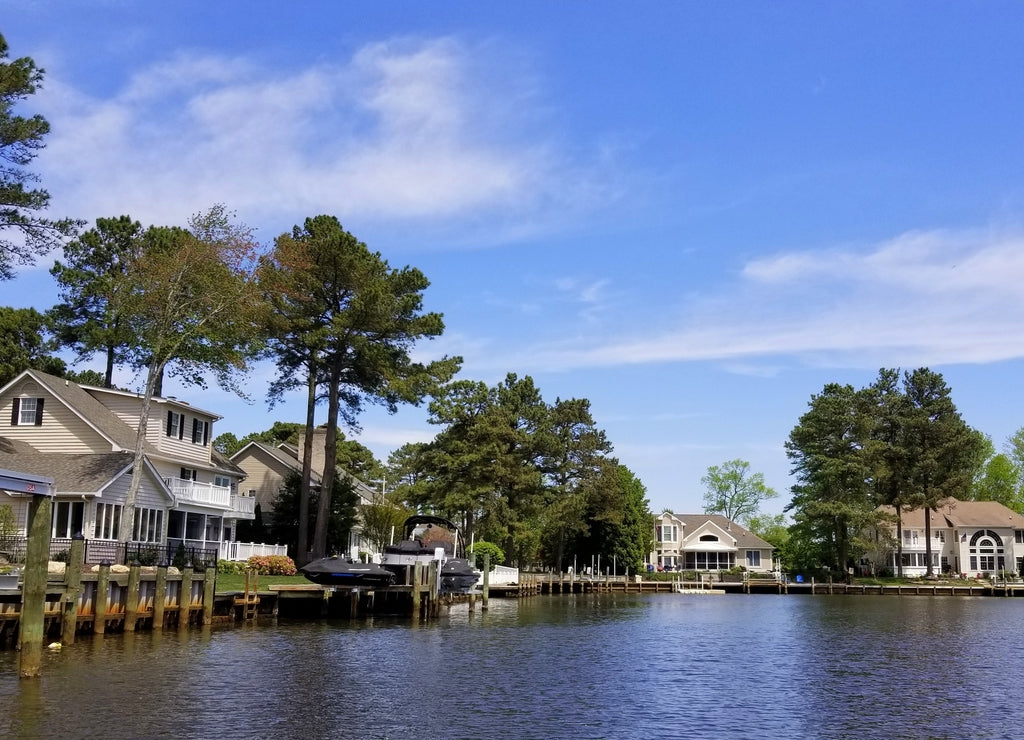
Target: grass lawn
236	582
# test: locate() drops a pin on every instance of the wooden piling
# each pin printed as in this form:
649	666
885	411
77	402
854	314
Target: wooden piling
209	582
99	621
72	589
417	579
487	581
160	597
184	598
131	604
33	589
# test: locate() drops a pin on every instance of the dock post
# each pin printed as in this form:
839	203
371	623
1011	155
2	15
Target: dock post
31	623
487	581
131	604
99	621
417	578
434	591
160	596
184	597
72	590
209	582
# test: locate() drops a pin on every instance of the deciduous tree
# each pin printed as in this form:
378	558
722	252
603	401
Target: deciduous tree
732	491
189	298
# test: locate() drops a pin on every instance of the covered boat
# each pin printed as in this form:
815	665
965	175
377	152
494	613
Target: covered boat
339	571
429	538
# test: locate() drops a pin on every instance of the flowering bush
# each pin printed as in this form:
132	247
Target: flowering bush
273	565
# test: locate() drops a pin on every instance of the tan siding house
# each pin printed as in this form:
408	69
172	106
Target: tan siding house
84	438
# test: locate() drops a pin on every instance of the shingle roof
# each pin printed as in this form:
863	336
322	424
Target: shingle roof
81	473
956	513
744	537
83	403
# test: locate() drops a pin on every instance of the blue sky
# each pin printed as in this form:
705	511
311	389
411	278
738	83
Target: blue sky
693	214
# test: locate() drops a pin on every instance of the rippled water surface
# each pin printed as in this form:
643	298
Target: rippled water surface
609	666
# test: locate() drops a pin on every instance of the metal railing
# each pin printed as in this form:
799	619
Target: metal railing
97	551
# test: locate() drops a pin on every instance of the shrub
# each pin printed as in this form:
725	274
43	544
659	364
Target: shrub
480	547
231	567
272	565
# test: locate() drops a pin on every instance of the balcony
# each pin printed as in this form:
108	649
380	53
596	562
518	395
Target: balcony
242	507
194	492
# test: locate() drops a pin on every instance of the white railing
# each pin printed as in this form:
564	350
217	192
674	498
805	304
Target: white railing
199	493
246	550
245	505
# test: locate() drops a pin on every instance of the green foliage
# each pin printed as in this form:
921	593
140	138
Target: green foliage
482	547
272	565
284	524
24	344
86	320
231	567
381	519
899	442
20	139
731	491
180	558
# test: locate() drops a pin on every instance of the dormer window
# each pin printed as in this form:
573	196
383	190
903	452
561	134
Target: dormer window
27	412
200	432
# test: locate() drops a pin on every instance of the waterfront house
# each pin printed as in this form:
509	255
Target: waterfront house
972	538
707	542
84	438
268	467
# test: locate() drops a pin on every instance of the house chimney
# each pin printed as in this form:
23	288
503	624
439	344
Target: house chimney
317	457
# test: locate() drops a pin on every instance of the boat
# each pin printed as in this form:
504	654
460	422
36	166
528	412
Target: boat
339	571
432	538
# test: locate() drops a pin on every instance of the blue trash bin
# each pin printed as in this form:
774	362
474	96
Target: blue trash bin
799	579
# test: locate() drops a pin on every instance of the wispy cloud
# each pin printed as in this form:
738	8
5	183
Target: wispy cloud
921	298
403	131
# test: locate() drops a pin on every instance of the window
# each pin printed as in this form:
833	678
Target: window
668	533
108	521
188	474
175	425
940	536
200	432
222	480
27	412
67	518
709	538
1018	536
148	523
753	558
709	560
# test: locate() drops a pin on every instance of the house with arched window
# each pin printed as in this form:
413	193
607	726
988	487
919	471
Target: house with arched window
974	538
707	542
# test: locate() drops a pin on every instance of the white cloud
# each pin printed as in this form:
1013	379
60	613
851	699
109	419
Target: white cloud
407	130
921	298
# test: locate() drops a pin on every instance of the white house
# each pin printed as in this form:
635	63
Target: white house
972	538
84	438
707	542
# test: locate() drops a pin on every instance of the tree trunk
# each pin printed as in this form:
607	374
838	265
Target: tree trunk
124	532
323	514
899	541
302	547
930	573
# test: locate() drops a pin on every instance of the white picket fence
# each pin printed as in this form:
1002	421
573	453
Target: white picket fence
245	550
501	575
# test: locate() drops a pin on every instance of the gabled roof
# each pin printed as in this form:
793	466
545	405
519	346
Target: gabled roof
120	435
955	513
72	474
280	455
745	539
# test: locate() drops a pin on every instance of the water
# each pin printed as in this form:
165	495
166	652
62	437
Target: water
583	666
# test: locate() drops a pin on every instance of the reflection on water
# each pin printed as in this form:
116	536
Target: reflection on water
583	666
